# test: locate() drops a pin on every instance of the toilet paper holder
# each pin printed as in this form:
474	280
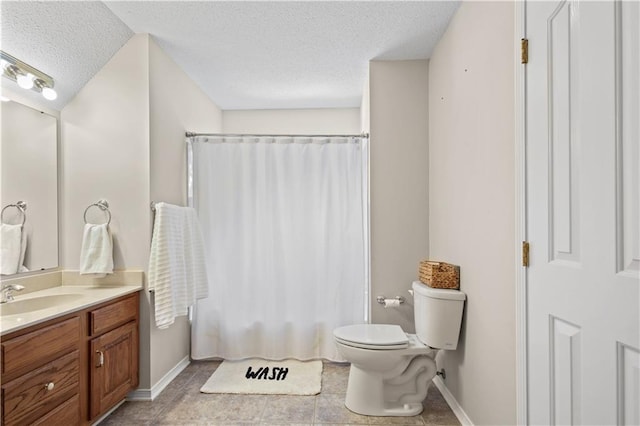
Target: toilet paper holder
382	300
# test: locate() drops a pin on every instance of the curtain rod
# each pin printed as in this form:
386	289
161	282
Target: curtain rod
238	135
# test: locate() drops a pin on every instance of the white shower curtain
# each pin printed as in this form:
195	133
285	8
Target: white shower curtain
285	228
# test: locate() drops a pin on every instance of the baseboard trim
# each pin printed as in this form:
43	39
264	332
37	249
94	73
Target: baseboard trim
453	403
151	394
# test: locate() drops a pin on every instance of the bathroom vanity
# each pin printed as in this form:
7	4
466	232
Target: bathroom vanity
69	353
71	367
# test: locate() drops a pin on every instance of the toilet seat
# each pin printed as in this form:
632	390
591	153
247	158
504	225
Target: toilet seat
372	336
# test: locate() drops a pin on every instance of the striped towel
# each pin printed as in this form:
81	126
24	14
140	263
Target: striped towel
177	271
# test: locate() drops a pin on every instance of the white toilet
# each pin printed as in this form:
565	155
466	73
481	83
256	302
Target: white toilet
390	369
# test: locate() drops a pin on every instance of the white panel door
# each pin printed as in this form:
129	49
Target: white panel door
583	198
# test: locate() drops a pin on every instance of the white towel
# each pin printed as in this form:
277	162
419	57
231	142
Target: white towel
177	271
23	251
96	254
12	248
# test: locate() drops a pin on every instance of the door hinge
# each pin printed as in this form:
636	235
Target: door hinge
524	51
525	253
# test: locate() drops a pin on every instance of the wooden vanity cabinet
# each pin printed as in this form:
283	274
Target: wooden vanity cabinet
41	370
114	354
72	369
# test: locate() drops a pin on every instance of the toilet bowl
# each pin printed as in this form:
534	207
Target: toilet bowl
390	369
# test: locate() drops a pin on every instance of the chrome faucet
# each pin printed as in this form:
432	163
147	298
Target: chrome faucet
6	292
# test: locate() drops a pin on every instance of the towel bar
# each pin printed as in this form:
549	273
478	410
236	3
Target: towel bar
102	205
20	205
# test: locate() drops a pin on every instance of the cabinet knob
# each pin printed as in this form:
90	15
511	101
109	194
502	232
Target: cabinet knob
49	386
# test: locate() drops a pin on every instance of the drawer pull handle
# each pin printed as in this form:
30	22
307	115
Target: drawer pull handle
49	386
100	359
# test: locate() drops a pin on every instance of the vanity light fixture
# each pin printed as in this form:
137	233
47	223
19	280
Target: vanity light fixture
26	76
47	92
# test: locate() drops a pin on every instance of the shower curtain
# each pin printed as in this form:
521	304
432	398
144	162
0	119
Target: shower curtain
286	234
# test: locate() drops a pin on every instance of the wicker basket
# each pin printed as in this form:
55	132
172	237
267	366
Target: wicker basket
439	274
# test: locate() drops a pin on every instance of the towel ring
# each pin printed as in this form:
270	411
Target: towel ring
21	206
102	205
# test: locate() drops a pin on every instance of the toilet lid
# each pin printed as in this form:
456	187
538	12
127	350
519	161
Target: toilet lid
373	336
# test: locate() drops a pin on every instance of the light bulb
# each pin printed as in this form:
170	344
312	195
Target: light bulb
49	94
25	81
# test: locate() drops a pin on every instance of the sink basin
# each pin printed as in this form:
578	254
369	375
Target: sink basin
24	306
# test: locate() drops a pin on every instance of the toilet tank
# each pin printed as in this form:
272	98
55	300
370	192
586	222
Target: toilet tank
438	315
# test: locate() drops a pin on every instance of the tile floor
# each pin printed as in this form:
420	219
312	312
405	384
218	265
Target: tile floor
181	403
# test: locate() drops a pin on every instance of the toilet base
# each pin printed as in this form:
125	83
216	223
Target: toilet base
365	392
404	410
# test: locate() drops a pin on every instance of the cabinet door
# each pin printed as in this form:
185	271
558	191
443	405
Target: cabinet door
114	367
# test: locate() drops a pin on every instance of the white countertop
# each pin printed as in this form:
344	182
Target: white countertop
84	297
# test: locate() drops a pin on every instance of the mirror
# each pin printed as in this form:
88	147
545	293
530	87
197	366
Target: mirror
29	172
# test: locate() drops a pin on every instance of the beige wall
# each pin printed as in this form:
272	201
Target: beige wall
105	152
293	121
365	107
472	201
176	105
398	110
123	140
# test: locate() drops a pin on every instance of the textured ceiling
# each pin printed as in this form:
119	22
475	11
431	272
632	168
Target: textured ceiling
253	55
70	41
244	55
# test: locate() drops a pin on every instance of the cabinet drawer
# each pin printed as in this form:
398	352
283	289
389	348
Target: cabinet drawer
110	316
35	348
28	395
67	414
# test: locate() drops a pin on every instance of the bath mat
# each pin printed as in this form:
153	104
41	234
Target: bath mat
258	376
